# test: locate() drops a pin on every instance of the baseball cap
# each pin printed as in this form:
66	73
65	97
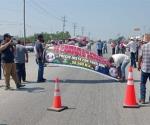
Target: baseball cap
7	35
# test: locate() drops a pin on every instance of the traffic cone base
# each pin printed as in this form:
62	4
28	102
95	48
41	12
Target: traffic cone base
131	106
57	109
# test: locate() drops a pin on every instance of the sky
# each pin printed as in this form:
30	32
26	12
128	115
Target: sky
101	19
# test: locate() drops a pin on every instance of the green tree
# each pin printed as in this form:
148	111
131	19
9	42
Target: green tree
49	36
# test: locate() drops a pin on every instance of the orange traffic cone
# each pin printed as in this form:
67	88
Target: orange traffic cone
130	97
56	106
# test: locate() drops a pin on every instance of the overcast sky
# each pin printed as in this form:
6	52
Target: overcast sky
102	18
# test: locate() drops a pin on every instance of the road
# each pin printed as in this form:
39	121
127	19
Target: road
91	98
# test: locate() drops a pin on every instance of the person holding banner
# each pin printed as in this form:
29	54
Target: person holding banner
120	61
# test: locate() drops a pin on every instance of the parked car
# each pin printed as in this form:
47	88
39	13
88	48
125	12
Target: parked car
30	48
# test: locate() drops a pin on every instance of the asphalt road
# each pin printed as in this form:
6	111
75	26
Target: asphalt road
91	98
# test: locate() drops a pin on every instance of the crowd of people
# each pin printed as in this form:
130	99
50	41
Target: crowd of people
13	59
135	51
139	50
15	56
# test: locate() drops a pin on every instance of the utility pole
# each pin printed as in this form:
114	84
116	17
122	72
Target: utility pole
24	17
74	29
89	35
82	30
64	23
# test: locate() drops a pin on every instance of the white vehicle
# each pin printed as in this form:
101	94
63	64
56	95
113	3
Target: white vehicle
30	48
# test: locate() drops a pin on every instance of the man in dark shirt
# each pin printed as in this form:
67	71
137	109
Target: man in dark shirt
7	57
39	57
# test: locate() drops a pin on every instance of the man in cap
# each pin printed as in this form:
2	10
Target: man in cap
144	66
7	49
39	49
132	45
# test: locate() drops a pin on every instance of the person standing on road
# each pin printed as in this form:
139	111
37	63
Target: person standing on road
0	65
144	66
39	49
7	49
99	47
120	61
21	57
113	45
132	45
105	47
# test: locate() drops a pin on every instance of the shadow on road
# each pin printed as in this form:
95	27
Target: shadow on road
32	90
1	86
147	104
86	81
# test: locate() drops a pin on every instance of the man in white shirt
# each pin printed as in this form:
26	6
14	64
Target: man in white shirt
132	45
120	61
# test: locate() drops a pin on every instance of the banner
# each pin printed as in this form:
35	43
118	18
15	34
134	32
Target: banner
73	56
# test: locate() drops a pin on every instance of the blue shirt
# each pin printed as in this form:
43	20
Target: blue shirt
99	45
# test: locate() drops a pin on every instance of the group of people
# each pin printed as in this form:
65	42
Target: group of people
138	49
101	47
13	59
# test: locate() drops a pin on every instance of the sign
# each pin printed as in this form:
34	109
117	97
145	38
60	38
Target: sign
73	56
137	29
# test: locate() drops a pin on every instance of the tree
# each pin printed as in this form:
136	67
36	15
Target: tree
49	36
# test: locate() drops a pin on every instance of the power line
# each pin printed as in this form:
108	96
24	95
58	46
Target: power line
44	10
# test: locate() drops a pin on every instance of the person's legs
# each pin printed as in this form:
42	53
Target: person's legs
18	70
23	72
119	71
144	77
131	57
98	52
40	71
0	70
133	60
123	67
7	72
14	74
113	51
101	52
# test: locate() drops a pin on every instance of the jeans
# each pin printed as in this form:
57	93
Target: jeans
0	71
144	77
133	60
40	70
100	52
123	67
21	72
113	51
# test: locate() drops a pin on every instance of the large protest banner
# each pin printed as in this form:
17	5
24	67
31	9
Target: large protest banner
73	56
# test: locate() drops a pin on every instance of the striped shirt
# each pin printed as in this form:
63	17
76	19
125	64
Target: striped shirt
145	53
